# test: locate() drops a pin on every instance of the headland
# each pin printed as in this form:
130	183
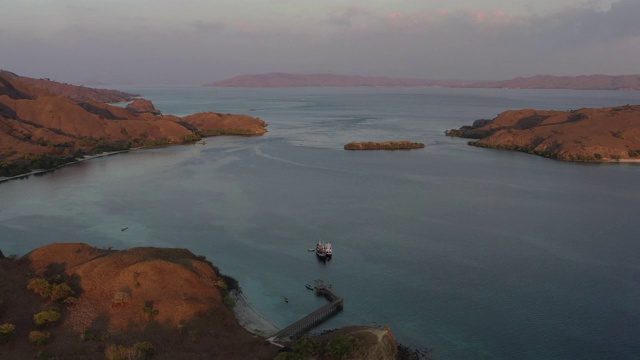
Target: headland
610	134
42	128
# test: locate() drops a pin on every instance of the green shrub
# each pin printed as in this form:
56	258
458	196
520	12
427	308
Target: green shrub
46	317
7	333
193	335
60	292
40	287
91	336
597	156
306	346
229	301
116	352
142	350
44	355
149	312
341	346
39	338
289	356
139	351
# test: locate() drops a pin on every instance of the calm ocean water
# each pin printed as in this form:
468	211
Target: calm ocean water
473	253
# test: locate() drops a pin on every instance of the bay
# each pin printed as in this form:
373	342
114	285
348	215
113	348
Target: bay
473	253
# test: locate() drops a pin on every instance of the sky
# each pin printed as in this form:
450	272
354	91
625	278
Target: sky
199	41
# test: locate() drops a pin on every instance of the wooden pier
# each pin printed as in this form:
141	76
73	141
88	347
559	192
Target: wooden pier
313	319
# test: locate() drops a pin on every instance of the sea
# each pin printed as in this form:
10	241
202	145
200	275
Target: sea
465	253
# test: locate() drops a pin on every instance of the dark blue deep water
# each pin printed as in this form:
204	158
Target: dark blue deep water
473	253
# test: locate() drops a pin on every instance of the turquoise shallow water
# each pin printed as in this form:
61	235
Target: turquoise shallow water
473	253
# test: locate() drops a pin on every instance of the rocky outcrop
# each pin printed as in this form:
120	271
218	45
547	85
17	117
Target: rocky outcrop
593	135
386	145
140	106
39	130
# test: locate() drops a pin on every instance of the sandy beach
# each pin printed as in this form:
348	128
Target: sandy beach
250	319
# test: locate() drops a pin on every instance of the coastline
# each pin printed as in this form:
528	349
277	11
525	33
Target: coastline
84	158
251	320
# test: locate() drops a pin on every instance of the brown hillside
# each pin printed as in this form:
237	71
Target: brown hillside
73	92
605	134
169	298
39	130
112	288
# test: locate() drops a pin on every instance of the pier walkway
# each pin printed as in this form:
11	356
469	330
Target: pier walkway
313	319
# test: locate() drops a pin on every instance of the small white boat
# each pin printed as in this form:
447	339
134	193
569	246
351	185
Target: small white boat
328	250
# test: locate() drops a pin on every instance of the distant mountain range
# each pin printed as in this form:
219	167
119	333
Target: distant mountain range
585	82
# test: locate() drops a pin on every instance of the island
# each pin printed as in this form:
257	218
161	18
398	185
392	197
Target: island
42	127
76	301
385	145
609	134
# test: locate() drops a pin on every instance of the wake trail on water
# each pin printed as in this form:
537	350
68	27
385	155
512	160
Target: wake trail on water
259	152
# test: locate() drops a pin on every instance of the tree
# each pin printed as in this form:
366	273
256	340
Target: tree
306	346
49	316
7	333
40	287
60	292
39	337
341	346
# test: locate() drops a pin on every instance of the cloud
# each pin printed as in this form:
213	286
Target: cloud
463	43
345	15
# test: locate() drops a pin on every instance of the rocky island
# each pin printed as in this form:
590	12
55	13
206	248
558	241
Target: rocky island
585	135
386	145
43	128
75	301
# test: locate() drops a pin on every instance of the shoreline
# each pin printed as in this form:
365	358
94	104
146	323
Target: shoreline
250	319
84	158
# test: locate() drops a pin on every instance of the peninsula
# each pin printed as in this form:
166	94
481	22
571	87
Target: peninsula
72	300
586	135
44	124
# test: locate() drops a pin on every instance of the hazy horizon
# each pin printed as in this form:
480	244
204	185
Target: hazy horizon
198	41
